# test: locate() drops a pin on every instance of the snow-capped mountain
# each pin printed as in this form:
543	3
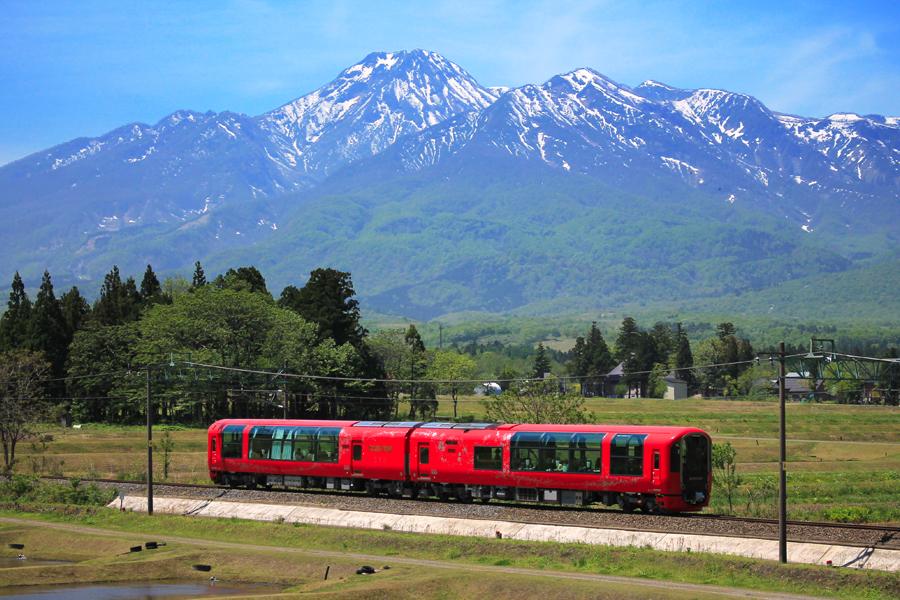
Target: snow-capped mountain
721	141
197	184
368	108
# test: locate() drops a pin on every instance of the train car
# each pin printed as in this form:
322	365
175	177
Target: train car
635	467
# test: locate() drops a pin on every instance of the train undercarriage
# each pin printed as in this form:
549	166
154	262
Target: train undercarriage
628	502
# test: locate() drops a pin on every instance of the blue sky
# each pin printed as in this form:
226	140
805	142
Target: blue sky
69	69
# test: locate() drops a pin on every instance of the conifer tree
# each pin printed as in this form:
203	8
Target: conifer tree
541	363
75	310
598	360
15	322
328	300
49	333
119	302
151	291
682	357
199	279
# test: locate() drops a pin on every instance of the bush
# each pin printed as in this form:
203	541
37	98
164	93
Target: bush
849	514
21	488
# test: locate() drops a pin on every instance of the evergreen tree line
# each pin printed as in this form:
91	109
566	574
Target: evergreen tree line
648	356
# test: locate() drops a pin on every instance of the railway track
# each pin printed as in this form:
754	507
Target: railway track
850	534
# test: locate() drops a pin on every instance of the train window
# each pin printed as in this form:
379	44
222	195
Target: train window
232	441
489	458
423	455
557	452
524	449
585	453
304	444
327	444
357	451
261	443
214	446
281	443
626	455
675	458
656	459
554	454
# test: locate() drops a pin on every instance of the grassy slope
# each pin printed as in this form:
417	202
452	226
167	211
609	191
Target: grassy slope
465	566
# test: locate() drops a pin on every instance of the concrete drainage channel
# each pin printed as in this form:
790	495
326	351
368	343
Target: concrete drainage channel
799	552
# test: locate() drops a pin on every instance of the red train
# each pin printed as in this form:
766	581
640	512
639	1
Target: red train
648	468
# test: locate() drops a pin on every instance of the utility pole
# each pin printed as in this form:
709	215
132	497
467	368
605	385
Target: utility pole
782	458
440	336
149	447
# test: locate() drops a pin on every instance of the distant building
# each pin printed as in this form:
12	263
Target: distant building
676	388
617	376
797	387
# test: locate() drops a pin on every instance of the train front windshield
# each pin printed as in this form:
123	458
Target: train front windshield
695	453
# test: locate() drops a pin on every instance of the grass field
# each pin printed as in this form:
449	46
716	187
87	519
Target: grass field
843	460
293	558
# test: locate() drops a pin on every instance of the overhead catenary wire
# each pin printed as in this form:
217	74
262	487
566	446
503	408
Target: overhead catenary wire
139	370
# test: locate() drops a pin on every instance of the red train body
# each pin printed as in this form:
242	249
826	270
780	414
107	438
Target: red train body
650	468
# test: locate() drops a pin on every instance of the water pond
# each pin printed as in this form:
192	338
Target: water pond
136	591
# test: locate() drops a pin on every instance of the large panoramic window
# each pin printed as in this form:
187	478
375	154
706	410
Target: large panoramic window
556	452
626	456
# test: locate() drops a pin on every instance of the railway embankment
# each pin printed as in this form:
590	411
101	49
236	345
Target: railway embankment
838	555
886	536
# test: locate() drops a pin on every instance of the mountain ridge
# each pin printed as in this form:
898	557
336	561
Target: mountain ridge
200	185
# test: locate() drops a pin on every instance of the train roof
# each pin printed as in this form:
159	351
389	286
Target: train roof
669	430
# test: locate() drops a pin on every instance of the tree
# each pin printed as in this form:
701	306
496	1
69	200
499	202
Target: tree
725	471
105	349
421	398
22	404
243	279
199	279
637	351
167	445
591	361
48	327
175	286
118	302
328	300
451	366
682	359
656	385
724	330
537	402
75	310
541	364
151	291
598	359
15	322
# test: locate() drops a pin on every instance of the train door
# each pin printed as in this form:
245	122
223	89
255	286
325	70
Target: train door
654	470
356	454
214	450
423	460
